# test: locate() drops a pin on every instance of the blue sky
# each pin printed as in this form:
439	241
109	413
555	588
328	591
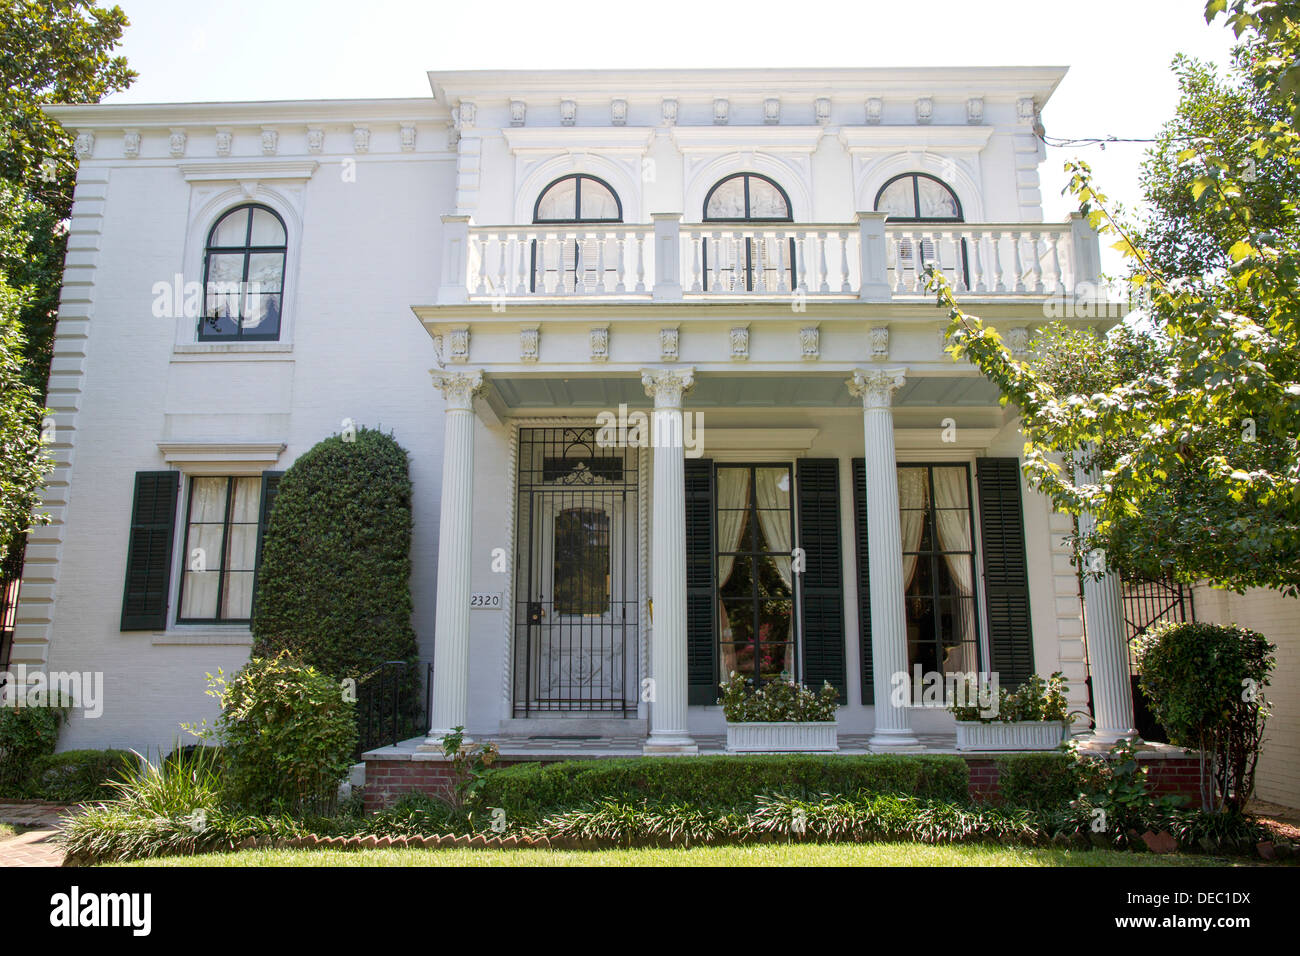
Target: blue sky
1118	51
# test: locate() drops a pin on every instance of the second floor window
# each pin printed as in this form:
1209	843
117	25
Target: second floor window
738	261
578	198
575	263
243	276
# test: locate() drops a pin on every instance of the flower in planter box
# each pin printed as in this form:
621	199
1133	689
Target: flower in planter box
775	701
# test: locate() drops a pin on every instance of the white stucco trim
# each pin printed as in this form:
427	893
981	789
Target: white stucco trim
542	159
222	457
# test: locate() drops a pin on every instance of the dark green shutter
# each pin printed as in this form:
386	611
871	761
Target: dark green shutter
149	553
864	578
1006	576
822	582
701	639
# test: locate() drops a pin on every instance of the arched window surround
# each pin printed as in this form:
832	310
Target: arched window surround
749	262
241	254
578	177
747	176
916	176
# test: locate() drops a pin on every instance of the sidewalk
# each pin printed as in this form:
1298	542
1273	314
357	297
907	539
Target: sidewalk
38	822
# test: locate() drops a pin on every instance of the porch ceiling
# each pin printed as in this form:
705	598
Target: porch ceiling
732	391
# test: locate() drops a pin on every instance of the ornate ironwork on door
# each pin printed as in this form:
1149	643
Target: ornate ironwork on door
576	616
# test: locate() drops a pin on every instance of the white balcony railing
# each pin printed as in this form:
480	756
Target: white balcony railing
871	259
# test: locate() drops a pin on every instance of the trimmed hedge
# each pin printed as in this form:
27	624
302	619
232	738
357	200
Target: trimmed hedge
78	775
528	792
1037	781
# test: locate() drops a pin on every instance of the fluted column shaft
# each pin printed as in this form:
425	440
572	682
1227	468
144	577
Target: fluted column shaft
450	705
668	732
1106	637
885	556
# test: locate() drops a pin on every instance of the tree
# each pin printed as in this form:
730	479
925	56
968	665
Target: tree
1188	448
334	585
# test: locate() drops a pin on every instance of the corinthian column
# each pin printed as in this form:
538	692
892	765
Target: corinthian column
668	733
1106	638
450	707
885	556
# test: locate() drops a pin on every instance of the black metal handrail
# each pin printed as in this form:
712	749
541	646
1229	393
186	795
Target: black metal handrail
389	704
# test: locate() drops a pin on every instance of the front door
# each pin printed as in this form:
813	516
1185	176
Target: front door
576	613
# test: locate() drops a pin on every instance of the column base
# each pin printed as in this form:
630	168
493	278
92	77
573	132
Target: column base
1102	741
894	741
669	745
433	741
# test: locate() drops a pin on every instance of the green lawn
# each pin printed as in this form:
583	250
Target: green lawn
841	854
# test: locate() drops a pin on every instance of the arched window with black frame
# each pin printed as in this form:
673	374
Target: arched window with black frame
921	198
574	263
243	276
744	263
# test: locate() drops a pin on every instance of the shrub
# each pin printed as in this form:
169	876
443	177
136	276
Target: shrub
1206	686
79	775
1035	699
287	734
1037	781
26	733
528	792
334	585
775	701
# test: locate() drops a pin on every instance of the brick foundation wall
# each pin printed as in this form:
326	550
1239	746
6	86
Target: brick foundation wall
388	780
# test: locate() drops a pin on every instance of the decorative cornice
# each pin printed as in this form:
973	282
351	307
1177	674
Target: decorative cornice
667	385
248	169
458	387
725	138
876	387
905	138
195	456
105	116
551	139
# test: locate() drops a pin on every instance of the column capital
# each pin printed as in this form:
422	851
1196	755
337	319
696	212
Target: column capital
458	386
876	386
667	385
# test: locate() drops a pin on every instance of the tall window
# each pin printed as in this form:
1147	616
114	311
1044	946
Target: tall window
754	566
743	263
938	567
573	264
921	198
220	557
243	276
582	562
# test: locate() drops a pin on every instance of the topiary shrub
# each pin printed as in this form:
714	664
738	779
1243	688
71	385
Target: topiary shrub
79	775
1206	686
26	733
334	587
287	732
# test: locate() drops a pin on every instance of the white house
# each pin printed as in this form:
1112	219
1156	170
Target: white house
690	408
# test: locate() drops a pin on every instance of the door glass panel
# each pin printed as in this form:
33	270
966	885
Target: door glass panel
581	562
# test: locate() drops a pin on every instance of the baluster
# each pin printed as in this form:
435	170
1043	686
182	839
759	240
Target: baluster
977	244
621	245
900	266
782	278
824	285
716	243
480	287
579	286
502	264
917	239
521	248
1017	238
1038	263
696	269
1054	251
999	278
843	238
638	250
601	284
801	267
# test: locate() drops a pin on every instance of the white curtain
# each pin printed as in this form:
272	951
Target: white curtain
952	522
772	492
203	542
913	491
733	497
241	550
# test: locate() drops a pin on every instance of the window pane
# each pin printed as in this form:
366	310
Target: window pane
560	202
237	596
597	201
267	230
581	561
232	229
766	201
262	314
209	500
898	199
266	271
936	201
728	200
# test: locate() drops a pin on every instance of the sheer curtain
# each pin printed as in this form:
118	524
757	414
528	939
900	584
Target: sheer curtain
774	515
733	496
207	518
241	550
952	523
912	493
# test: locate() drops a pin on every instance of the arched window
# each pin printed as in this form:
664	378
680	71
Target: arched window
918	197
243	276
922	198
578	198
574	264
743	263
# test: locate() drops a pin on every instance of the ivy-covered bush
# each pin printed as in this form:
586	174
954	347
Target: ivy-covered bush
775	701
26	733
528	792
79	775
1206	686
334	585
287	732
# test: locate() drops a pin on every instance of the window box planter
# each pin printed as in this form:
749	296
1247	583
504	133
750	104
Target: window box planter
1013	735
786	736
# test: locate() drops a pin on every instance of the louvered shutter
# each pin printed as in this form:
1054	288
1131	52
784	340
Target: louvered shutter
701	627
822	582
862	546
149	552
1006	575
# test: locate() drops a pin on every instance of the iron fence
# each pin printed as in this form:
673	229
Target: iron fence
390	705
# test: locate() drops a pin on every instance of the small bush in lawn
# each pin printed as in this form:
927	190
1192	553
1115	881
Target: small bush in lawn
26	733
287	734
79	775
